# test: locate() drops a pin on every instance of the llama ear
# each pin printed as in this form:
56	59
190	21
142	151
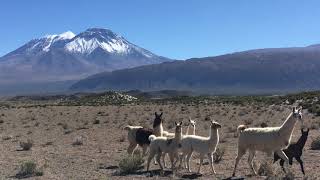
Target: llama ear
189	119
219	125
294	109
175	123
181	123
156	114
161	114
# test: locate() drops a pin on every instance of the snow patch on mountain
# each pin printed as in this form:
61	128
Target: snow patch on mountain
83	46
66	35
47	41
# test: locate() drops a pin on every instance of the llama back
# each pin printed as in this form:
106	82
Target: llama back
142	136
160	143
197	143
260	138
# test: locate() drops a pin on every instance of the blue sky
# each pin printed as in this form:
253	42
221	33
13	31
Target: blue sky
173	28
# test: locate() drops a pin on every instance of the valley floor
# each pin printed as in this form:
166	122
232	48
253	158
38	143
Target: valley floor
54	129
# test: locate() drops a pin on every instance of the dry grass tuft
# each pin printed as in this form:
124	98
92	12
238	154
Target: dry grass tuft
266	169
78	141
315	144
218	155
131	164
26	146
28	169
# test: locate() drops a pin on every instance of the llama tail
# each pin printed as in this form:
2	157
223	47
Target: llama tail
129	128
241	128
151	138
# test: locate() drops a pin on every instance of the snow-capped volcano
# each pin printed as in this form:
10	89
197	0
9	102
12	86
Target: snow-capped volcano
88	41
67	56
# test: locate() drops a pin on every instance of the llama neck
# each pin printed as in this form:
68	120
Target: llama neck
287	127
178	136
302	141
158	130
214	134
194	130
187	132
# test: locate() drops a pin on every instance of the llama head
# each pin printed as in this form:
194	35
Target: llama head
192	122
178	127
215	125
157	120
297	113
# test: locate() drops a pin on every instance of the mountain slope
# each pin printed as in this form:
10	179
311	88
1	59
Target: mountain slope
276	70
71	57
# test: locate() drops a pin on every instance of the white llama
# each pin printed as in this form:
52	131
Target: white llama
269	139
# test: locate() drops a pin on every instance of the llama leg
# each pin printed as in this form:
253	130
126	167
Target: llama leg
239	156
144	149
283	156
250	161
290	160
188	161
185	159
158	160
131	148
176	158
210	156
171	156
181	160
201	161
151	156
281	164
164	160
301	164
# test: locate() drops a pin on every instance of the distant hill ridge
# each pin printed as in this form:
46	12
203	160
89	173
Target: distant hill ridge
270	71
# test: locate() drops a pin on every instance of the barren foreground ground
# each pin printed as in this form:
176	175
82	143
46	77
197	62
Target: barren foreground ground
54	129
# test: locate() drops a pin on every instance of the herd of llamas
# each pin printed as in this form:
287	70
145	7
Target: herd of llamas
180	147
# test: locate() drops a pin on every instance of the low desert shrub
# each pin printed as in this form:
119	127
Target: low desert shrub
77	141
315	144
122	138
266	169
26	146
96	121
28	169
131	164
218	155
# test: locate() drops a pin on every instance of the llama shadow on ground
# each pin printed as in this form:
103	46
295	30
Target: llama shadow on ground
109	167
234	178
191	176
151	173
156	172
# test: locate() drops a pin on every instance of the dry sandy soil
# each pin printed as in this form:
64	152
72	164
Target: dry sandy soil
53	129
